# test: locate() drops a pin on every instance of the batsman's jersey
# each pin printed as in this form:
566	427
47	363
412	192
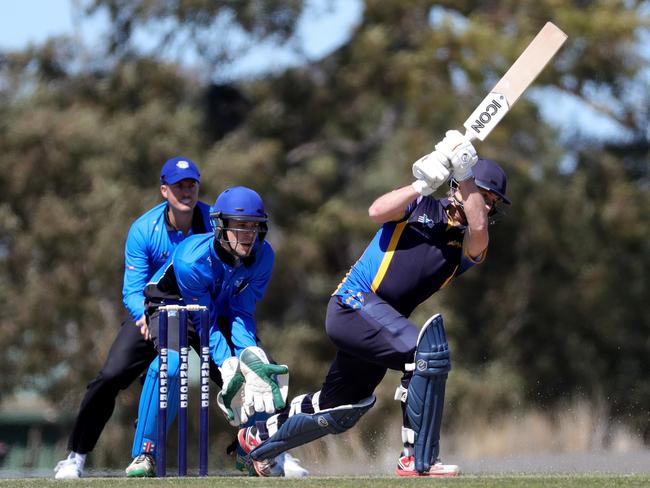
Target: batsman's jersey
149	244
409	260
202	273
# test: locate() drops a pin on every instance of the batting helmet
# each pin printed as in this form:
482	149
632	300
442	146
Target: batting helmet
238	203
491	177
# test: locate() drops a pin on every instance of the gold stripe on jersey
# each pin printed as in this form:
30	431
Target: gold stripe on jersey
453	273
388	256
341	283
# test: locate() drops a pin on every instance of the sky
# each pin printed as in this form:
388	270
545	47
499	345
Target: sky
33	21
326	26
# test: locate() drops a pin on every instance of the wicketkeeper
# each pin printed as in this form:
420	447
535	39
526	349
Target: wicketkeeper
228	272
422	245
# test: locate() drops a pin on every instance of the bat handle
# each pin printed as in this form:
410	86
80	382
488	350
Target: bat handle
470	136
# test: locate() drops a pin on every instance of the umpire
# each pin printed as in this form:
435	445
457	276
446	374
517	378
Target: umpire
151	240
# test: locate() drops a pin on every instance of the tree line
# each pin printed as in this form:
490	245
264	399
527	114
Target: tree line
558	311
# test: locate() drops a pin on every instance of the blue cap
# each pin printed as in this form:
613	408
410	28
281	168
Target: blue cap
491	177
177	169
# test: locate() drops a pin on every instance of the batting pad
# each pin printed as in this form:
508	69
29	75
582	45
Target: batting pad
302	428
426	391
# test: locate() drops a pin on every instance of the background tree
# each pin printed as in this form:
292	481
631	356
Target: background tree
557	312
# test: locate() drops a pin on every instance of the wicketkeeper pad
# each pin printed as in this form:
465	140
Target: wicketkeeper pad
426	391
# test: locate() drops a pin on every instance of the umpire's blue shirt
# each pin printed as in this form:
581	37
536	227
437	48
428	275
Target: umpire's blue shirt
203	273
149	244
410	259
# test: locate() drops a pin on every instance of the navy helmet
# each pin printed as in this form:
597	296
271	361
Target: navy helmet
238	203
491	177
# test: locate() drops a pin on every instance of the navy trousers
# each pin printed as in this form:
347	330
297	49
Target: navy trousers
370	340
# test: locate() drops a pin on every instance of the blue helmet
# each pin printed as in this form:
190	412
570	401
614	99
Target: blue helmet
238	203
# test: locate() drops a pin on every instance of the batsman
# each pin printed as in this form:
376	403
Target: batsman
422	245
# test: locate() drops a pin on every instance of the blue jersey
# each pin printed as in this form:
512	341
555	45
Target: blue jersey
149	244
409	260
200	272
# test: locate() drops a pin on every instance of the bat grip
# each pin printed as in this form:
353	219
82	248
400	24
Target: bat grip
470	136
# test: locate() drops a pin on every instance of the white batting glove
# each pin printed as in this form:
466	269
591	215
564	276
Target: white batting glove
460	151
231	397
430	172
262	391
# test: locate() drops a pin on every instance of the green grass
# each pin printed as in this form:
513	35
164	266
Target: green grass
579	481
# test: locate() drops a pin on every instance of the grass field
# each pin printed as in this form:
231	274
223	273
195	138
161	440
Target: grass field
345	482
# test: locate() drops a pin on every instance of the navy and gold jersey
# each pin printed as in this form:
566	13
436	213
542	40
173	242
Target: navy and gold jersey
409	260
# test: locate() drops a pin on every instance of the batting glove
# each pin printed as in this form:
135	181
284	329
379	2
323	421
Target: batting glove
430	172
460	152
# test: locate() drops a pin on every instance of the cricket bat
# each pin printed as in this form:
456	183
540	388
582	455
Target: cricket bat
508	89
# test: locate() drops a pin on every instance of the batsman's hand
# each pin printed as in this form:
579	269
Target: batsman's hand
460	152
430	172
231	397
262	391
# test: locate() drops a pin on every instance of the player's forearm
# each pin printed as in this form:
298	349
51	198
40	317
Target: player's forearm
243	332
477	218
135	280
134	304
390	206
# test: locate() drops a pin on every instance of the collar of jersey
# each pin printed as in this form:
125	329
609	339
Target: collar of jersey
451	223
225	257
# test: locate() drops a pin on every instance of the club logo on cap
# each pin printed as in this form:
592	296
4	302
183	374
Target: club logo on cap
182	165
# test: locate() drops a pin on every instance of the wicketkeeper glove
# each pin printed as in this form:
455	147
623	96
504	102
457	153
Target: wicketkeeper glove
231	397
263	391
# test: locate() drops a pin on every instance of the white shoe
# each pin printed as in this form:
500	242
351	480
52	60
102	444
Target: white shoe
70	468
291	466
142	466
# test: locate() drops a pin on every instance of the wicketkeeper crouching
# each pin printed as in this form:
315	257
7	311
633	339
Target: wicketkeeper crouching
226	271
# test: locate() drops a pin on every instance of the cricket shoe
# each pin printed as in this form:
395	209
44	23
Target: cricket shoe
243	463
142	466
69	469
248	440
406	467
